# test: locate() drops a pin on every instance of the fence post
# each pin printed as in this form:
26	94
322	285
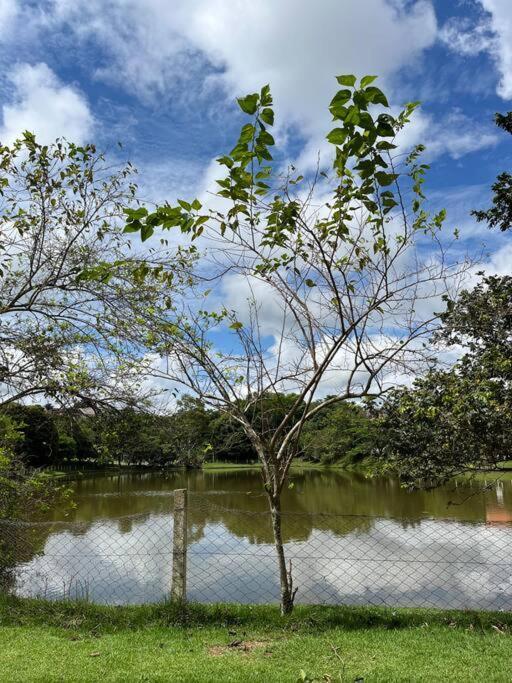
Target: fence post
179	547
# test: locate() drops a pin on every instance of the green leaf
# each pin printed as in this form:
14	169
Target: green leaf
367	80
264	138
267	116
376	96
184	205
353	115
341	97
266	96
246	134
196	205
249	103
385	179
146	232
337	136
225	161
136	214
347	80
385	146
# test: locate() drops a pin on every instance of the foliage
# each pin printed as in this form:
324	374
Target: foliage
67	278
459	419
340	434
124	436
189	436
500	214
39	439
23	490
188	433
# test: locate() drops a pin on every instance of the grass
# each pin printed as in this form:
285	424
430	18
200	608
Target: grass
79	642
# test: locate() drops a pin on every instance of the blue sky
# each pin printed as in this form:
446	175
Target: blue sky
161	76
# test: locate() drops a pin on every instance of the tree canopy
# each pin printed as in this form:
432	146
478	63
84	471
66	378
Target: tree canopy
67	275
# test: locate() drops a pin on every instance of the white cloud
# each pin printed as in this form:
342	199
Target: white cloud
42	104
491	33
498	263
460	36
455	134
8	13
298	47
501	23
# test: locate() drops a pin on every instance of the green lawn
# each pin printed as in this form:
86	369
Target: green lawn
74	642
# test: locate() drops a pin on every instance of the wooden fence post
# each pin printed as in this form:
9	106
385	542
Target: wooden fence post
179	547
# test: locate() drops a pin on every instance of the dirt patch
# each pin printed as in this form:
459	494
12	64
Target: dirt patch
242	646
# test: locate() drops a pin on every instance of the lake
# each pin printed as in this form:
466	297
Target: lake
351	539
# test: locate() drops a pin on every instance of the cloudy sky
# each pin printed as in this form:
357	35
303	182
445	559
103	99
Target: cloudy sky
161	75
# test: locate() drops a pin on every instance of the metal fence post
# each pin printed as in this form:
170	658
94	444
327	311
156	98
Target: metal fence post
179	547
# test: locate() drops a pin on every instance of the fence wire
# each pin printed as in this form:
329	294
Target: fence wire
336	559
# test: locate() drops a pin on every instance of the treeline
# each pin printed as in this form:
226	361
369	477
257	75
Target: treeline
340	434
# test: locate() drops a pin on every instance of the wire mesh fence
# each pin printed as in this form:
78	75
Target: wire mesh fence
230	557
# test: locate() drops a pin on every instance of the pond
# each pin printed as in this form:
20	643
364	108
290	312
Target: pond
351	540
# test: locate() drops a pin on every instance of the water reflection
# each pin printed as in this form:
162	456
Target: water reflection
351	539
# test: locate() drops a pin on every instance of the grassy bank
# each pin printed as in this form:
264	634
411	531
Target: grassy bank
80	642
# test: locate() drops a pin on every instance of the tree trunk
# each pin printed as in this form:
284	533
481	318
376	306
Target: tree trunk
285	576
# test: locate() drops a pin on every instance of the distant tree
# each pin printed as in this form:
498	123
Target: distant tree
188	433
343	261
343	433
126	436
228	440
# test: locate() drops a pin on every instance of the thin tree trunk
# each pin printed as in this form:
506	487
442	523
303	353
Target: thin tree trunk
285	576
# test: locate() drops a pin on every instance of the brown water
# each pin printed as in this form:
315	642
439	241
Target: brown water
352	539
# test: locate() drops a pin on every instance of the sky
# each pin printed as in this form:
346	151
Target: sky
161	77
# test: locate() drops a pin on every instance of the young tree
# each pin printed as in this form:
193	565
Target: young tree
67	276
331	278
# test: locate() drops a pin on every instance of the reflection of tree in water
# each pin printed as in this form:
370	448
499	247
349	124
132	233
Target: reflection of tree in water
332	501
19	543
316	491
321	494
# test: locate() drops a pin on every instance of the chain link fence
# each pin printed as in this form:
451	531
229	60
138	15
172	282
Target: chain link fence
230	557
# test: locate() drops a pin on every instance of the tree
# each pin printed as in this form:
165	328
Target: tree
453	421
188	433
67	276
125	436
342	433
330	275
23	490
461	419
500	214
39	444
